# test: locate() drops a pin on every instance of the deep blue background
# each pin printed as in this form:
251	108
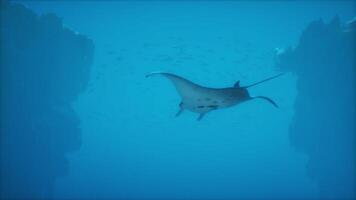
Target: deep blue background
132	146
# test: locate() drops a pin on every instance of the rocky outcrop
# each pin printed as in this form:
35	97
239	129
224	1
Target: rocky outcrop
44	67
324	119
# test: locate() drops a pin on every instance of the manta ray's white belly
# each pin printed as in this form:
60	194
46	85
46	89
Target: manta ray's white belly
207	101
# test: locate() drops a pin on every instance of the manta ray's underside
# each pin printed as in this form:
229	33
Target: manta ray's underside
202	99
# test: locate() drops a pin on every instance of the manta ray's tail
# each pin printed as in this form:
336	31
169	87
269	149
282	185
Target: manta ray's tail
267	79
154	73
267	99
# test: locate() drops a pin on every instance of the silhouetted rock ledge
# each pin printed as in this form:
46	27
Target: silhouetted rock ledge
44	67
324	119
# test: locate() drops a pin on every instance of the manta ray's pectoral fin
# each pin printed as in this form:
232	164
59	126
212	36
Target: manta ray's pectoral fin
267	99
201	115
181	109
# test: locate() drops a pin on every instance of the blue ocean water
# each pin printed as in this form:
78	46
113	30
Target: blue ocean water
95	127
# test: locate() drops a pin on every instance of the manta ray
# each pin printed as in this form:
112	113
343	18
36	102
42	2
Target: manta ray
200	99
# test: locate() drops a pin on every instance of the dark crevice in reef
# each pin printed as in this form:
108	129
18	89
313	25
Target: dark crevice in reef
324	119
44	67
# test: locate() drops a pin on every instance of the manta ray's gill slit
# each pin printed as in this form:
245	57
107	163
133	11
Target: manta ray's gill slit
213	106
206	99
208	106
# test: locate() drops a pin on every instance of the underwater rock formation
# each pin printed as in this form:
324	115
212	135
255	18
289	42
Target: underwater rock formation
44	67
324	119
